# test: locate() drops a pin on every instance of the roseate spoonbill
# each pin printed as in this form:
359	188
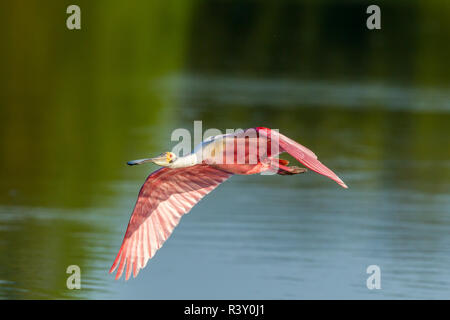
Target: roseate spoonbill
170	192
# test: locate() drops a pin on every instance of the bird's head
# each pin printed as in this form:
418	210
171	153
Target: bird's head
165	159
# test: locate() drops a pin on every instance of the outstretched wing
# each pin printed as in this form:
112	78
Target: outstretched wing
166	195
299	152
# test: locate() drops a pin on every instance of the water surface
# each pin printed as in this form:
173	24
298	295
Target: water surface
374	106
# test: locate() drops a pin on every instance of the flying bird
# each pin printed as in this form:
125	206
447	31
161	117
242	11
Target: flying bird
171	191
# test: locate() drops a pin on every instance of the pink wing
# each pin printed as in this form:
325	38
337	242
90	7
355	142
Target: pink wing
301	153
166	195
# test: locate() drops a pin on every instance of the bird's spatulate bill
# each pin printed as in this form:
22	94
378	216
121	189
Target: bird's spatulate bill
157	160
139	161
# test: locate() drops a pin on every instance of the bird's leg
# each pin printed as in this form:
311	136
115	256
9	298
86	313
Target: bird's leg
283	169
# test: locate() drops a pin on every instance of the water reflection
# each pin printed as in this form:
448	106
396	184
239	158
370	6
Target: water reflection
75	106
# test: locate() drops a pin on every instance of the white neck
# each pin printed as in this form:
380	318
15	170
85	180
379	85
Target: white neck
186	161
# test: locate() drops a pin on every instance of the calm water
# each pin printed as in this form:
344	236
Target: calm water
75	106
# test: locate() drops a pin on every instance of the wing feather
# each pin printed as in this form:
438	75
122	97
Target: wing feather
165	197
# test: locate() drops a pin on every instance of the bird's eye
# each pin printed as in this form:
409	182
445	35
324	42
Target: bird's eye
169	157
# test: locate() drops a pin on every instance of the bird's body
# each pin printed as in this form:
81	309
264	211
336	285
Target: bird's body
173	190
